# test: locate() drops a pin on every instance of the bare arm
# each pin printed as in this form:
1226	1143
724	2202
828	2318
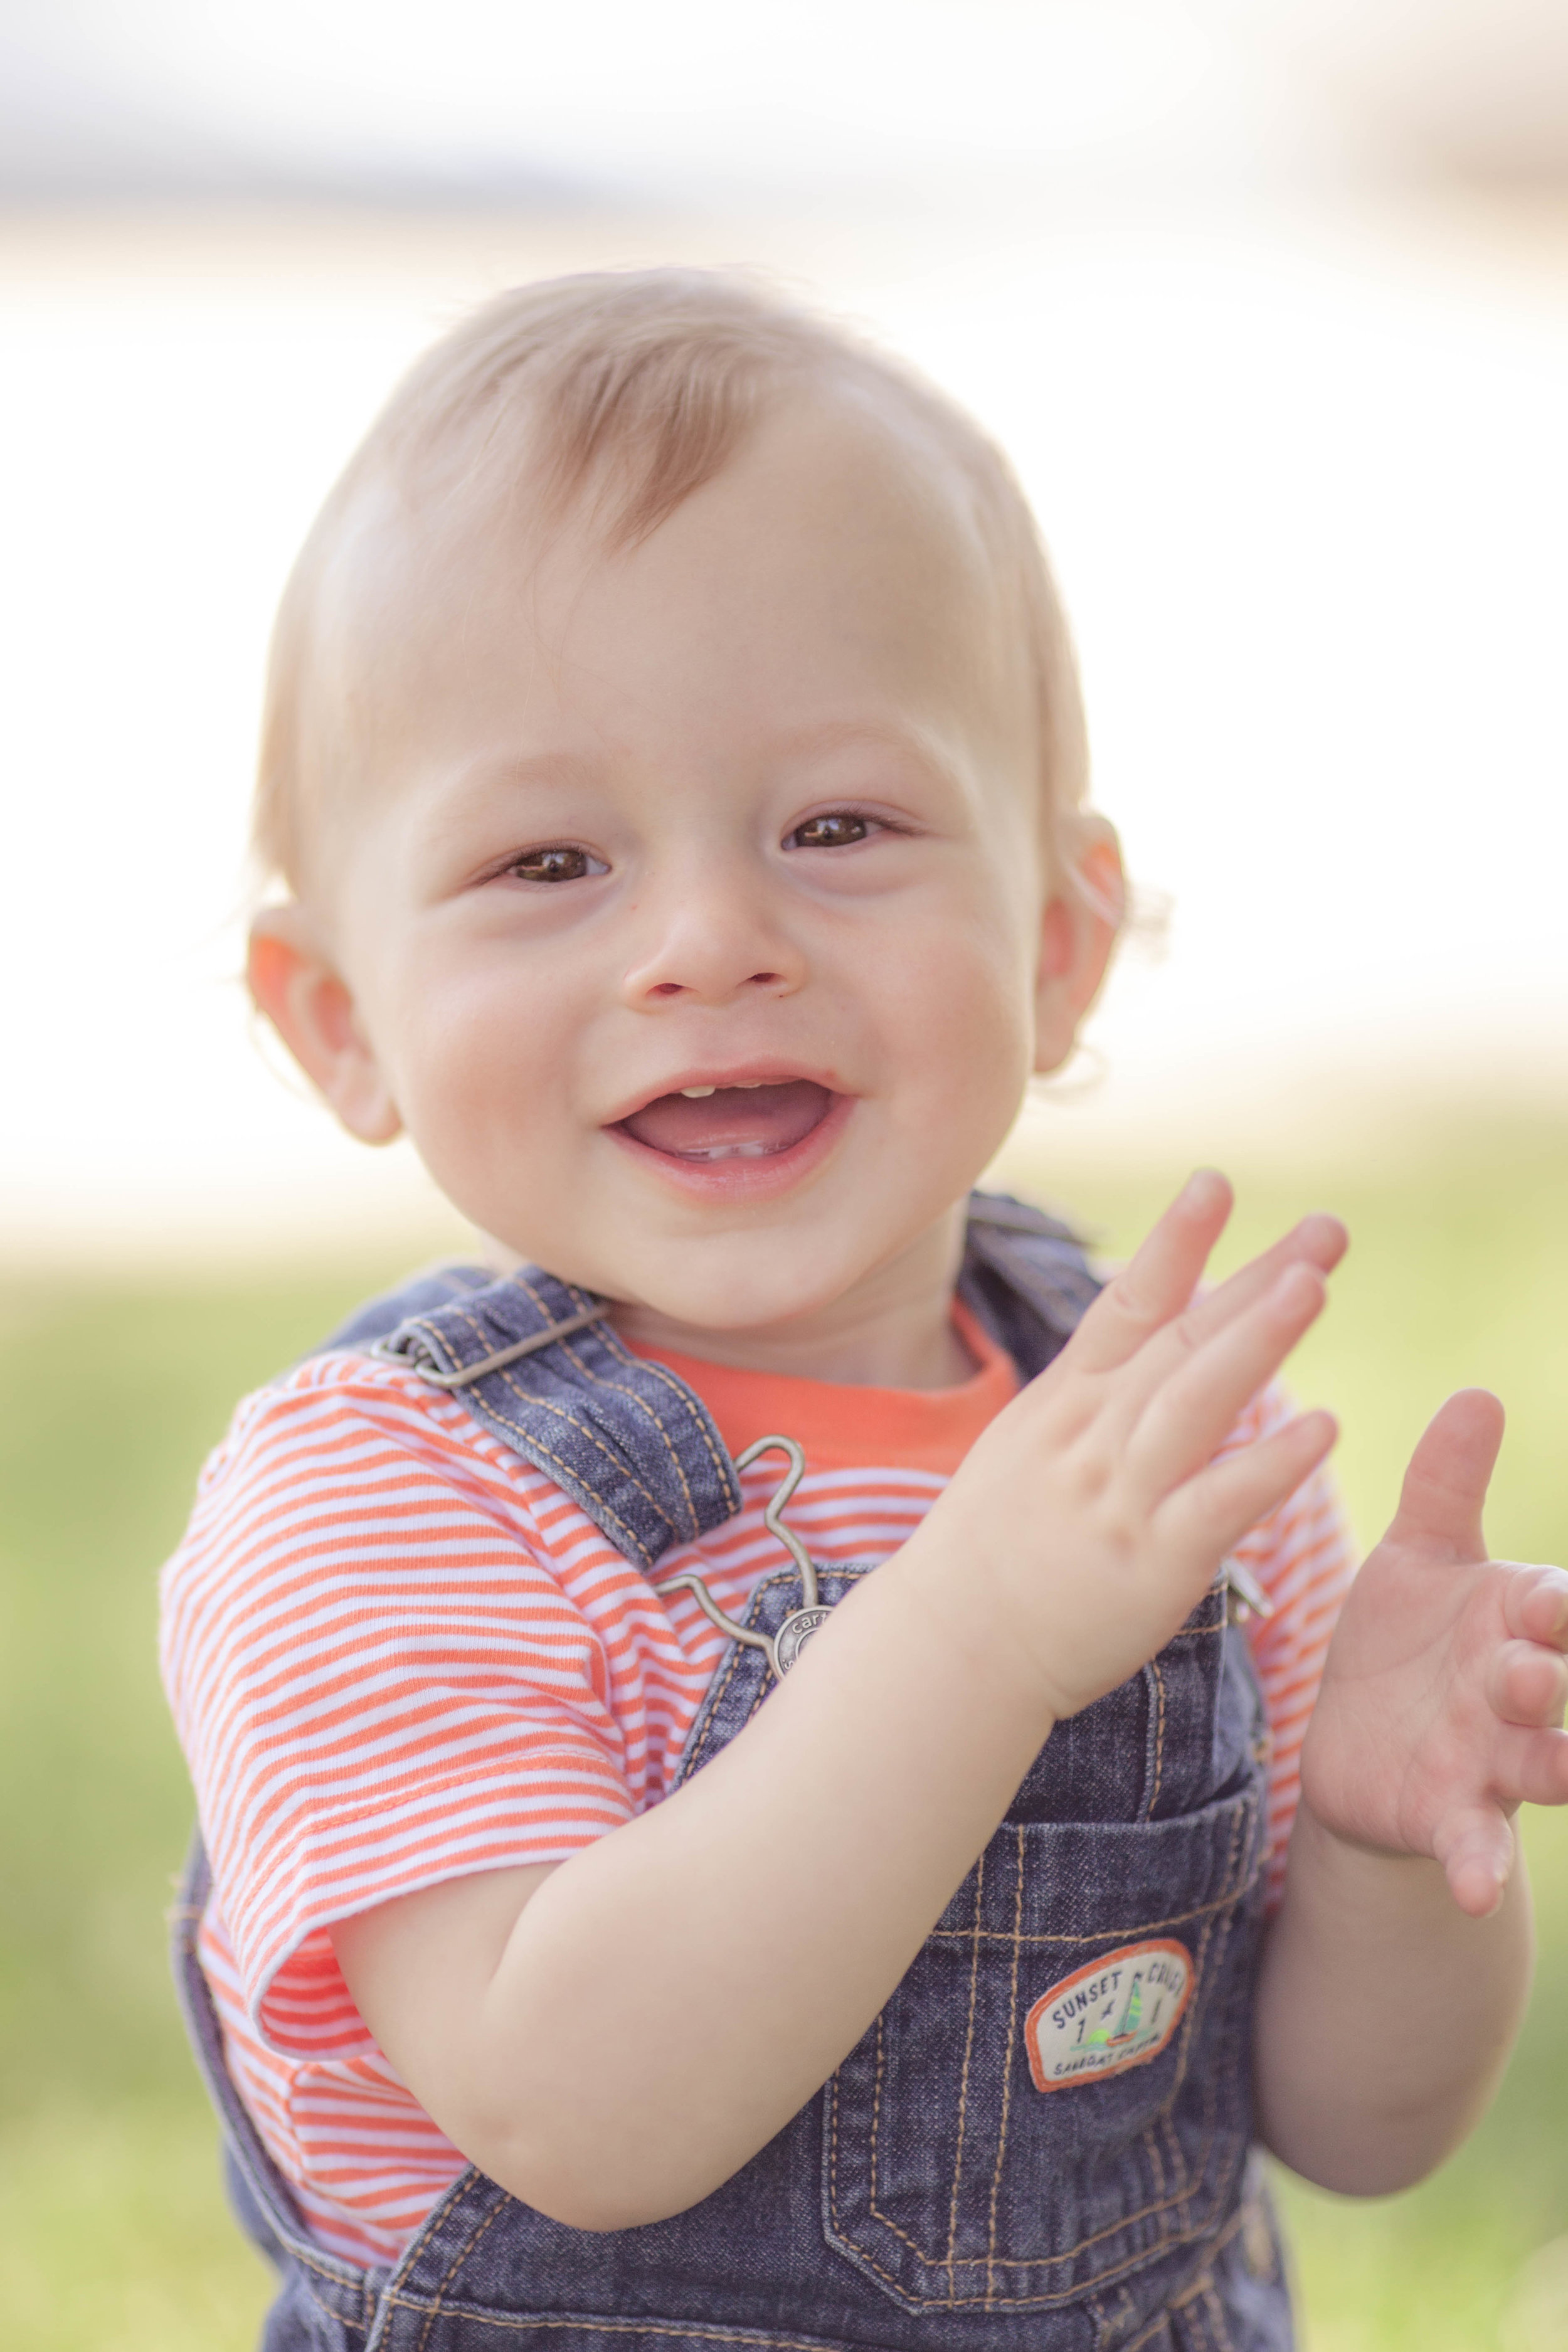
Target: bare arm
669	1997
1396	1972
1384	2013
613	2039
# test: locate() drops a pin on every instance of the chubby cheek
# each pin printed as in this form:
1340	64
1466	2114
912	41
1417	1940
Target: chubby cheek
482	1081
961	1014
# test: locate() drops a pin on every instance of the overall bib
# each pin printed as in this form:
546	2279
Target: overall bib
1041	2145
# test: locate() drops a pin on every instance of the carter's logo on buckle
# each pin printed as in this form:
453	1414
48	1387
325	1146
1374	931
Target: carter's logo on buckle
1118	2012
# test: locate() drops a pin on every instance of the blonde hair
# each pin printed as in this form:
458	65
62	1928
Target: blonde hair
629	390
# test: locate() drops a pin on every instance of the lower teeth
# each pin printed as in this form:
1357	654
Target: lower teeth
730	1151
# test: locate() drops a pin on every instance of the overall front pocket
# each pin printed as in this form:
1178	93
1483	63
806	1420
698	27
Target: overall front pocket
1055	2097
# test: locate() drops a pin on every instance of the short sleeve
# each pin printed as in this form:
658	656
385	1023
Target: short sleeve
381	1675
1303	1556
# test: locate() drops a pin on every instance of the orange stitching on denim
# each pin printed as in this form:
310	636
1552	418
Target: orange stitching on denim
1008	2061
963	2079
716	1699
1100	1935
1230	1892
1182	2172
599	2324
871	2205
456	2264
1202	2284
953	2302
1159	1736
1219	2327
692	1407
619	1388
877	2108
526	1396
548	1404
1239	1827
1161	2321
1137	2259
1156	2162
1048	2262
323	2305
712	1704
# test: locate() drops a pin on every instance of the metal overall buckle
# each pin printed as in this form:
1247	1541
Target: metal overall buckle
782	1648
1244	1596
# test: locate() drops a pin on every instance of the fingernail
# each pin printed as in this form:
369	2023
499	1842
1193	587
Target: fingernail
1331	1228
1200	1187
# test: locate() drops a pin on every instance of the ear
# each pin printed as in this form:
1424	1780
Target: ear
1079	929
294	981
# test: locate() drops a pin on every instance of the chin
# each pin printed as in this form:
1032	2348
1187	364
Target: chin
725	1307
722	1288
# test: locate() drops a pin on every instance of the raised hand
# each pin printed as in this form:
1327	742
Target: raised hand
1442	1696
1088	1521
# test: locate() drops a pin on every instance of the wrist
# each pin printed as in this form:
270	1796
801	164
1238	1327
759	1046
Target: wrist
960	1613
1353	1879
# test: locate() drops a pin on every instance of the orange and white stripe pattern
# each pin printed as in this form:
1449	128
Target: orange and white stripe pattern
398	1654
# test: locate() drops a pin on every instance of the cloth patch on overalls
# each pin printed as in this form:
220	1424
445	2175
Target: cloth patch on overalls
1118	2012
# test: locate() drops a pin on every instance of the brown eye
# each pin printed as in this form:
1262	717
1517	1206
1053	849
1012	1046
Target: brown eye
554	866
832	831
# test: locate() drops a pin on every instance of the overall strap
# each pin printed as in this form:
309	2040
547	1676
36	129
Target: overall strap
1025	1277
538	1364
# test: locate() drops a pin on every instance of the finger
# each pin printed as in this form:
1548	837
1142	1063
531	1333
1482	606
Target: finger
1535	1606
1527	1685
1208	1515
1194	1410
1159	1278
1318	1240
1532	1768
1475	1846
1445	1484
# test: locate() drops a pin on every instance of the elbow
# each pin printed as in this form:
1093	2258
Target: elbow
586	2189
1366	2162
595	2208
1354	2179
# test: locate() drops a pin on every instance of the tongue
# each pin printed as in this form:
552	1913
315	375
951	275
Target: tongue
732	1123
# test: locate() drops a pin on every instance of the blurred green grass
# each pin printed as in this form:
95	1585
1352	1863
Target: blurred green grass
112	2233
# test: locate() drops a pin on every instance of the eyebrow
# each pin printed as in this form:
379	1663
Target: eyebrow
568	768
920	744
520	768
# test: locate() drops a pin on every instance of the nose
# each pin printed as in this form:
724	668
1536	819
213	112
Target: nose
709	936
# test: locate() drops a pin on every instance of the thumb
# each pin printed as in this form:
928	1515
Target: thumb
1475	1847
1445	1484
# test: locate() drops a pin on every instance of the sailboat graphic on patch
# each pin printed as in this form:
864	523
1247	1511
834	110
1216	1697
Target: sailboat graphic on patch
1101	2037
1118	2011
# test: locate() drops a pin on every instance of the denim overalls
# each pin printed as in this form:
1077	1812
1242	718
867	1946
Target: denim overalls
1041	2145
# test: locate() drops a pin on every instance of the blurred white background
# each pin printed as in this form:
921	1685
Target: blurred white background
1267	298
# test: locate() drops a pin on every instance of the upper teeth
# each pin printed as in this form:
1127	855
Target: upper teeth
743	1086
694	1093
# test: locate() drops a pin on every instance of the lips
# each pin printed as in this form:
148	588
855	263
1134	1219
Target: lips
705	1125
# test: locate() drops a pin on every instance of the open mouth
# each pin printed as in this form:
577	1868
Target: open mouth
704	1124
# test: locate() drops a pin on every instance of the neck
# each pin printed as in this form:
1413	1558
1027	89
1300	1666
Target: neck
893	1331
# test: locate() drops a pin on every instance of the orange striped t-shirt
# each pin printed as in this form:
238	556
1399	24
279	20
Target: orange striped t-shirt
397	1653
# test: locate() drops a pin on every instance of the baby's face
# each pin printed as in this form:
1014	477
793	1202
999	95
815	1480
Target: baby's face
691	905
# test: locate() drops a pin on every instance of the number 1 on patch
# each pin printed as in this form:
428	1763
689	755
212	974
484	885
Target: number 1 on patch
1119	2012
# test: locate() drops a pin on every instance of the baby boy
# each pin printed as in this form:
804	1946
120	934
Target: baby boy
751	1751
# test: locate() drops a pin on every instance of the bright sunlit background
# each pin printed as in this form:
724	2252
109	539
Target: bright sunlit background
1268	301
